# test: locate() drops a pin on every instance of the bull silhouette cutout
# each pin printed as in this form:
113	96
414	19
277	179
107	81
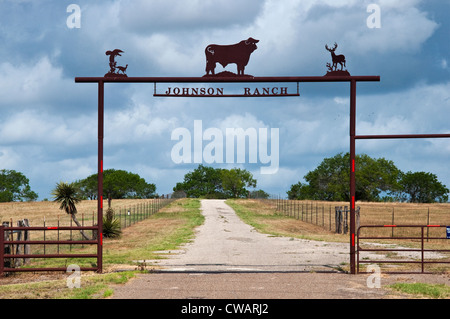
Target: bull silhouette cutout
238	53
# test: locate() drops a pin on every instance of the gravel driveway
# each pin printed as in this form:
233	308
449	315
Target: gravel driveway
225	243
230	259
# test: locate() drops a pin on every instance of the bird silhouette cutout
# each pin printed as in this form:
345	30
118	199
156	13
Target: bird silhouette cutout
113	64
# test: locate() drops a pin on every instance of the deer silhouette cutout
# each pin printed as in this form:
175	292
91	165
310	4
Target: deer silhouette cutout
123	69
336	58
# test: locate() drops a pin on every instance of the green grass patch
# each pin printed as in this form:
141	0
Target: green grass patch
248	216
91	287
435	291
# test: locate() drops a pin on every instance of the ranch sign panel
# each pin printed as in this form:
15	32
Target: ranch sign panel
220	92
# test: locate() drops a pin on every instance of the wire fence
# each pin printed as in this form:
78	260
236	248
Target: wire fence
332	217
335	216
128	216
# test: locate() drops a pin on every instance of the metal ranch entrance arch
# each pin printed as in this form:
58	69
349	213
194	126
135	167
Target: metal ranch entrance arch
352	80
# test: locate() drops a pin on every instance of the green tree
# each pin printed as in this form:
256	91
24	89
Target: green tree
235	181
331	179
374	176
117	184
14	186
300	191
88	187
209	182
202	181
422	187
259	194
66	195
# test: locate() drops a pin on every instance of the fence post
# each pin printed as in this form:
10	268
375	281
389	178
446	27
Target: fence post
330	216
346	220
26	237
338	219
17	251
317	215
358	223
323	218
393	223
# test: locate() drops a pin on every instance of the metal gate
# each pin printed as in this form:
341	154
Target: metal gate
422	238
7	254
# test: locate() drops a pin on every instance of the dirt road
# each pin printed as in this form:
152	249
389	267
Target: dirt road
230	259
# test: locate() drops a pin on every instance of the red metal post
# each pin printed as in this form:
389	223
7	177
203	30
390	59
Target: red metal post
352	174
422	252
2	249
100	175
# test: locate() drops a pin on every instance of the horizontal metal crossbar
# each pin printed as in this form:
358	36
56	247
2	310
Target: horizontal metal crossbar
400	136
46	269
52	228
237	79
52	242
50	256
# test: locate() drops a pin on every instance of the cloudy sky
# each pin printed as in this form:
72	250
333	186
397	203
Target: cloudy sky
48	123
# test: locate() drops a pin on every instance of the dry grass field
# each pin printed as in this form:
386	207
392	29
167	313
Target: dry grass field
38	212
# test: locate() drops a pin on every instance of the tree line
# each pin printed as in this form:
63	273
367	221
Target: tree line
117	184
209	182
377	179
14	186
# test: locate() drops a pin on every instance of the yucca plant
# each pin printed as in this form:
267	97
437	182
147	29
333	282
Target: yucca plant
66	195
111	225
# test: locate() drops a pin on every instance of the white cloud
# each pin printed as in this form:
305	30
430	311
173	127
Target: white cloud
10	159
31	127
135	125
28	82
167	15
404	29
294	34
